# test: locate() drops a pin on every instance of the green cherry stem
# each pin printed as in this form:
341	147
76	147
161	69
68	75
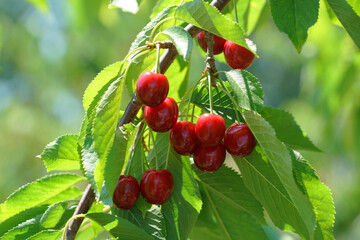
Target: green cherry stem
156	154
137	56
157	25
157	64
191	93
210	95
69	221
127	56
236	14
226	91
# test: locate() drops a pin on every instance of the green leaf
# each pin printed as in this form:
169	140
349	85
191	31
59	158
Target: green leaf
178	76
57	214
37	193
183	207
247	89
103	79
348	18
319	195
203	15
181	39
70	193
23	230
280	161
228	186
21	217
62	154
294	18
46	235
355	4
234	224
118	227
286	128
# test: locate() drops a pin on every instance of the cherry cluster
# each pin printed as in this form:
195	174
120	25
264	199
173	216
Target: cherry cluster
207	140
236	56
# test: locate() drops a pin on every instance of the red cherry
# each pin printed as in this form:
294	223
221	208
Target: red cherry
152	88
126	192
210	159
163	117
210	129
236	56
239	140
183	138
156	186
218	45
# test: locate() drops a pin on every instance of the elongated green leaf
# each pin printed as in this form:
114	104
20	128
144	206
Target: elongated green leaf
119	227
280	160
101	80
207	17
20	218
181	39
294	18
161	4
23	230
57	214
247	89
178	77
287	130
348	18
46	235
228	186
152	221
183	207
62	154
70	193
355	4
319	195
37	193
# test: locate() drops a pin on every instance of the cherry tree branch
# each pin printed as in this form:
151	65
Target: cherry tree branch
131	111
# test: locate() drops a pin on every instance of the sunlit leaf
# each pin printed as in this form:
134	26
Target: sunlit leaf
181	39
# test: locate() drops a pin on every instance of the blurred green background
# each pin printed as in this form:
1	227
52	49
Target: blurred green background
49	54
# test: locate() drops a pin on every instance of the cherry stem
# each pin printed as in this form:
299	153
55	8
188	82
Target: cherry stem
157	25
210	94
127	56
193	111
191	94
157	64
69	221
156	154
226	91
236	15
138	135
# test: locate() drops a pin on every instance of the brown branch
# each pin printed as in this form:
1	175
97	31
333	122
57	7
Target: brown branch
131	111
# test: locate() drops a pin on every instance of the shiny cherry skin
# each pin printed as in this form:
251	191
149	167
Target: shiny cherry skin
210	129
126	192
218	43
210	159
163	117
182	138
152	88
239	140
156	186
236	56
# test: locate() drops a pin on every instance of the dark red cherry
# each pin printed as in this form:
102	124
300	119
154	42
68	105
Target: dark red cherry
152	88
126	192
156	186
183	138
163	117
209	159
239	140
210	129
218	45
236	56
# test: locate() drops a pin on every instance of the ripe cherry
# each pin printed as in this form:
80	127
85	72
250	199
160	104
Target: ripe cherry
152	88
239	140
126	192
210	159
210	129
163	117
183	138
236	56
156	186
218	45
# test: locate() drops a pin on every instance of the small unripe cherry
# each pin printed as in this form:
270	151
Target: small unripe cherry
210	129
126	192
152	88
218	43
163	117
239	140
182	138
209	159
236	56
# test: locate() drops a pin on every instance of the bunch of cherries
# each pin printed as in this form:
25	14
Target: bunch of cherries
207	140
